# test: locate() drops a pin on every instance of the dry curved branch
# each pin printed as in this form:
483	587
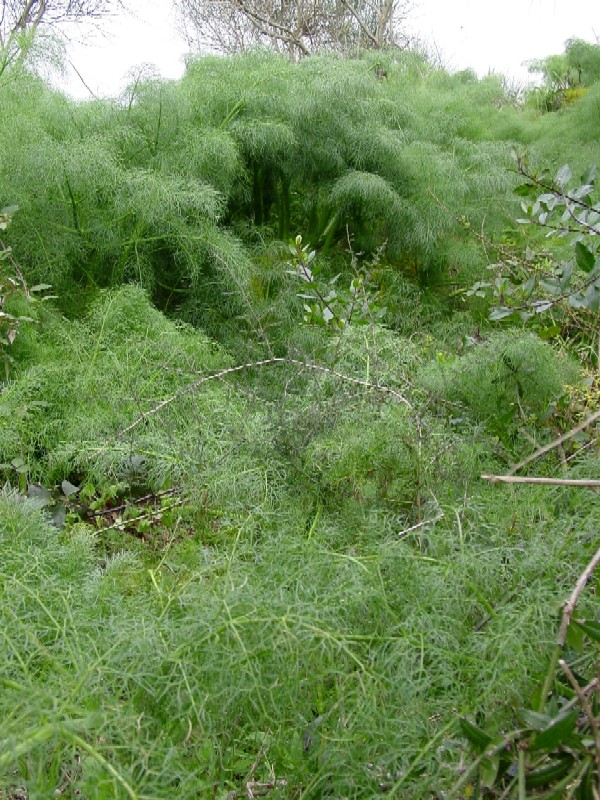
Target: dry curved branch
192	387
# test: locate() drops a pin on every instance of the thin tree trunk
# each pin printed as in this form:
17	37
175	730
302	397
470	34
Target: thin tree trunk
383	21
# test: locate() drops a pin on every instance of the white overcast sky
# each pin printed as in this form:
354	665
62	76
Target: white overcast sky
496	35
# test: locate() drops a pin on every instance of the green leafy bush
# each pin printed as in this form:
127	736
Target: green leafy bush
505	380
70	415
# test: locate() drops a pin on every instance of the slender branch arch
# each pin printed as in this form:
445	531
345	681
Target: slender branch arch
301	27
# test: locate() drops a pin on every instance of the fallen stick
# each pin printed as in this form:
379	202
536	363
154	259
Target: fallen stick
543	481
557	442
421	524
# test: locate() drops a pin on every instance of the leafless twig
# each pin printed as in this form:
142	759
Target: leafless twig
542	481
421	524
192	387
557	442
572	601
564	626
587	710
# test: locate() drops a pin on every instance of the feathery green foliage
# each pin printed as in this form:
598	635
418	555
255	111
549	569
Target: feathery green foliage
504	381
244	553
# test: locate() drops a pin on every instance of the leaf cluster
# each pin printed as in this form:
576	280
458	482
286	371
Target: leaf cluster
555	751
561	287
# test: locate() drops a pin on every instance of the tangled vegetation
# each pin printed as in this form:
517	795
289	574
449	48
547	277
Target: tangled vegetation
263	331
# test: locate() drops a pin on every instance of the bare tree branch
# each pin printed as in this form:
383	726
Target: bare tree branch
21	19
270	27
299	26
21	16
352	11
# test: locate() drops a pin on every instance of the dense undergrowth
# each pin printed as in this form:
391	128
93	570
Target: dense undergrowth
246	546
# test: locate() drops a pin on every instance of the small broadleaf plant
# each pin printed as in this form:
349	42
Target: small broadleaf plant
13	285
538	285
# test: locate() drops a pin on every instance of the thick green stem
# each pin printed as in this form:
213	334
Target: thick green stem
329	233
283	211
522	790
73	202
257	189
158	126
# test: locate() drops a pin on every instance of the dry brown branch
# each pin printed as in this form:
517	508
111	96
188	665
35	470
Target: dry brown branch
572	601
121	524
257	789
105	512
587	710
542	481
556	442
192	387
361	24
421	524
564	626
592	443
268	25
300	28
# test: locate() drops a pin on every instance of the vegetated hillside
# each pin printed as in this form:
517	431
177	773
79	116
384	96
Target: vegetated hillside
256	556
